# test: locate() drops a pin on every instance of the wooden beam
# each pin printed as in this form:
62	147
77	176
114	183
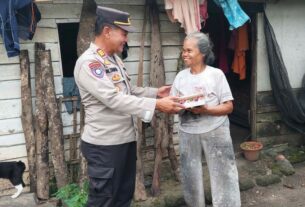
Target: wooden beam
41	132
27	115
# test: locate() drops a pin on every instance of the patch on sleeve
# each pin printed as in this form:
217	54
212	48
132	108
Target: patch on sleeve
97	69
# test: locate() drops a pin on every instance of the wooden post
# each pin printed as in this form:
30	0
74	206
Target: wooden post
41	123
140	192
27	116
86	26
160	121
54	120
84	37
82	161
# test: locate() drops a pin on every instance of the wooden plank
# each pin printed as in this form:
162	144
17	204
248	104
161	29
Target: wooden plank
12	71
292	140
168	39
169	52
67	1
267	129
16	151
10	126
54	47
170	76
12	139
125	2
11	89
10	108
253	84
60	11
266	109
47	23
165	26
46	35
268	117
135	11
120	2
132	67
13	125
265	98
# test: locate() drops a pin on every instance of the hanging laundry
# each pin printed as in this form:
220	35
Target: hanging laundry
27	19
233	12
222	52
203	10
239	42
185	12
70	89
16	15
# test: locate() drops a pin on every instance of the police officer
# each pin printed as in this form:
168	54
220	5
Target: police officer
111	102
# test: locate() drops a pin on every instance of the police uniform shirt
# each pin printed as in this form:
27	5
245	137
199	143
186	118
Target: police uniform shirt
109	99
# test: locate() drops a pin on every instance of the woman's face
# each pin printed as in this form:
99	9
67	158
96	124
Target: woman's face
190	53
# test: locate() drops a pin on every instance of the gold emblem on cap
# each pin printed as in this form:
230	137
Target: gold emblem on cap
123	23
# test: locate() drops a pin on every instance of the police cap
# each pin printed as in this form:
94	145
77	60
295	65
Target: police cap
115	17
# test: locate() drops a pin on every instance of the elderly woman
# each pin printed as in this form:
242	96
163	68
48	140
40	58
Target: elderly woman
205	128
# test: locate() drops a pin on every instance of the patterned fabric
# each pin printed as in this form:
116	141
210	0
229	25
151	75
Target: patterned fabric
233	12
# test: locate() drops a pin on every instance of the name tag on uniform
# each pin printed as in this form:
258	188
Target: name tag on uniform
110	70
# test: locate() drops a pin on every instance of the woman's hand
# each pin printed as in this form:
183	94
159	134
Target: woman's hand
164	91
199	110
219	110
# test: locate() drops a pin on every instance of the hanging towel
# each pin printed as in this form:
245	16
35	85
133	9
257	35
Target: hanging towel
70	89
240	37
185	12
233	12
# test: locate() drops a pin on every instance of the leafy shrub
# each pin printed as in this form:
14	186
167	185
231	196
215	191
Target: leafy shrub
72	195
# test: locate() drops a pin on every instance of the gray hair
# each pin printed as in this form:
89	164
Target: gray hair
204	45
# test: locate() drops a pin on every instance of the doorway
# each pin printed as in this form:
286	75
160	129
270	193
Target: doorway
217	27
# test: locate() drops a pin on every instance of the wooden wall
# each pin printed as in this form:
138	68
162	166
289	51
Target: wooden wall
270	128
12	142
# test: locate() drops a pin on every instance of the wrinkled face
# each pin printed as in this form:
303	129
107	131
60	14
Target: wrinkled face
116	39
190	53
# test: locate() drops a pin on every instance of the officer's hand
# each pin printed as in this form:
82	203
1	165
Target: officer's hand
164	91
169	104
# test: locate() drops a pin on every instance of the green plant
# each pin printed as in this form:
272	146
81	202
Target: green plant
72	195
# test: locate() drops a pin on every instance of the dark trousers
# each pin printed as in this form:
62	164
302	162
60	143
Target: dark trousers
112	172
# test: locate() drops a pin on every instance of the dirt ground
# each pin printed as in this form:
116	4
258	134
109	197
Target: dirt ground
289	193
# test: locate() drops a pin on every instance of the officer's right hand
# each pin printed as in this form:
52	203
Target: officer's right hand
169	104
